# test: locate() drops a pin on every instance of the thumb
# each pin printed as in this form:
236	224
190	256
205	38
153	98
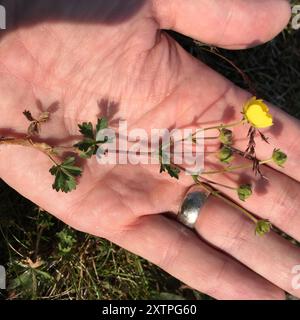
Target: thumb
231	24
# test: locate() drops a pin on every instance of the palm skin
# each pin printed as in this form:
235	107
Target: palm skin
155	84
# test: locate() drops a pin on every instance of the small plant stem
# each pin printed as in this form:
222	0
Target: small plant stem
230	125
228	201
170	144
221	126
241	153
211	138
37	244
245	77
218	184
230	169
27	142
203	178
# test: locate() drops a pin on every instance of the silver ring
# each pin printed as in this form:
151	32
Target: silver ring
191	206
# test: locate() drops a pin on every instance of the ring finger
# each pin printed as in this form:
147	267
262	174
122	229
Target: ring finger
271	256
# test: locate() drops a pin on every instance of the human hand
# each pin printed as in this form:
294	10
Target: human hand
79	53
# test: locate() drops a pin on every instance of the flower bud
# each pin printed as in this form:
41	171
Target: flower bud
244	191
279	157
226	136
263	227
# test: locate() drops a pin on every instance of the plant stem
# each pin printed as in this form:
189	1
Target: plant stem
245	77
230	125
203	178
27	142
228	201
170	144
218	184
230	169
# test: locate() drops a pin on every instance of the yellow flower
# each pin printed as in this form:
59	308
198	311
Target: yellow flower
257	113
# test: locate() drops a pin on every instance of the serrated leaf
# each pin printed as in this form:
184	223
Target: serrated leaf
87	148
86	154
28	115
72	170
65	175
70	161
89	145
64	183
165	165
69	167
101	124
85	144
171	170
86	128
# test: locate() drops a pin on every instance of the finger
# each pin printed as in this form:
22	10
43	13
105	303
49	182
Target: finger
164	242
270	256
226	23
182	254
275	198
159	240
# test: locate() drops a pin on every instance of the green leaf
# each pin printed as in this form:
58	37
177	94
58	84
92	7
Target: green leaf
86	154
85	144
263	227
165	165
87	130
23	280
279	157
244	191
71	170
89	145
67	240
68	166
70	161
101	124
171	170
65	175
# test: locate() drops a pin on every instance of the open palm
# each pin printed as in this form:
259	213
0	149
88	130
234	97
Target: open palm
81	61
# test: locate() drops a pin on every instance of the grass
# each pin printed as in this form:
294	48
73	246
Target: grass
46	259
